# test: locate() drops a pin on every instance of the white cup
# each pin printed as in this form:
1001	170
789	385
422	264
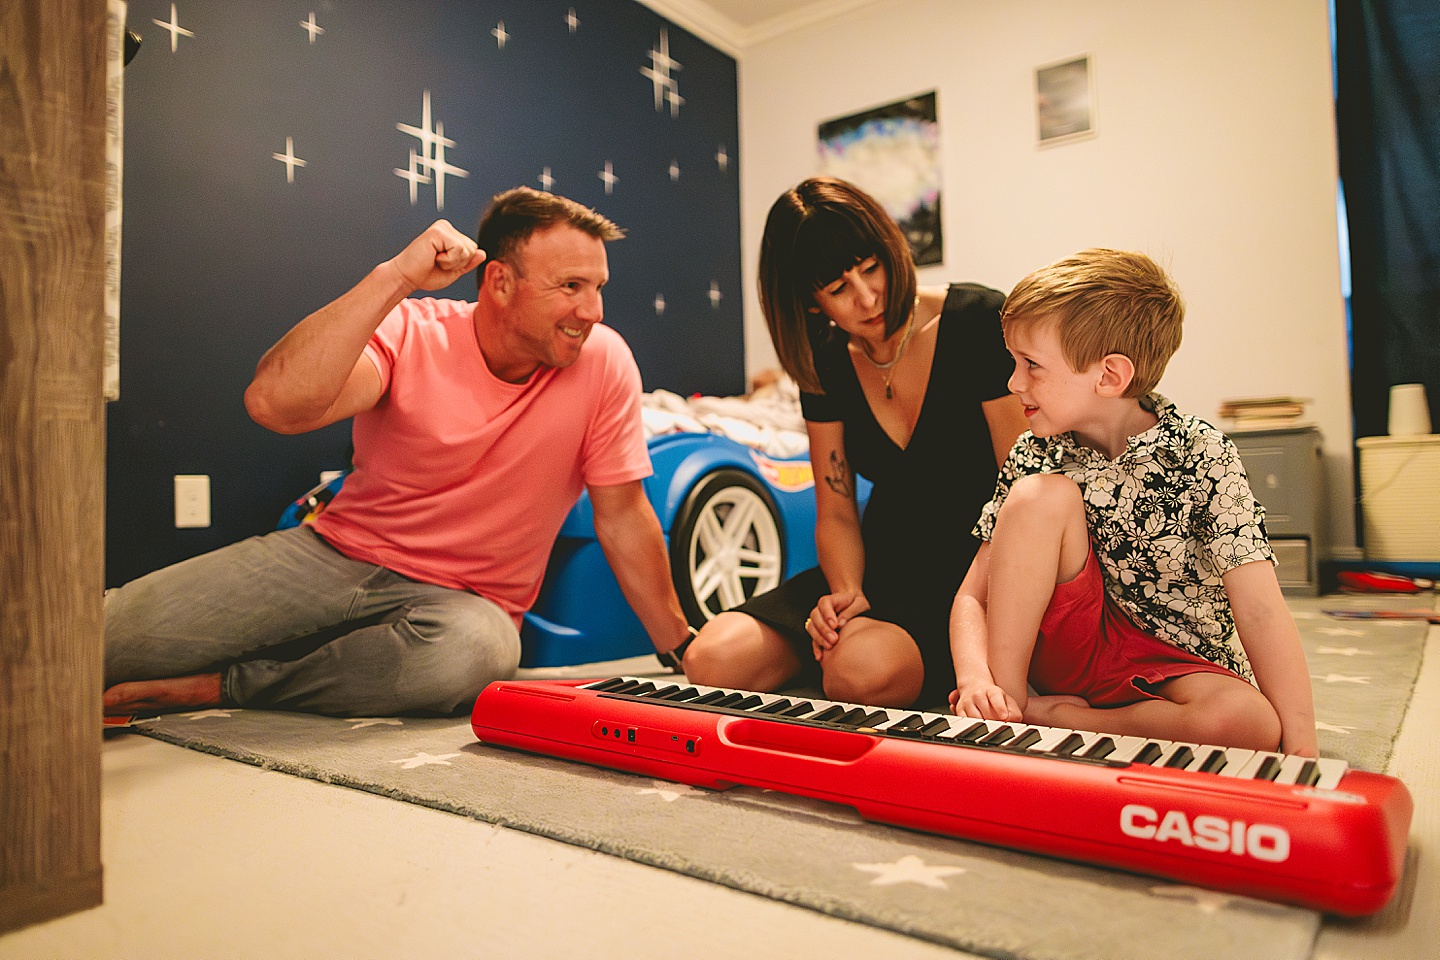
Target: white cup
1409	410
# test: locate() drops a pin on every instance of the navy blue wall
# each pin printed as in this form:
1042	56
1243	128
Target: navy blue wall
222	255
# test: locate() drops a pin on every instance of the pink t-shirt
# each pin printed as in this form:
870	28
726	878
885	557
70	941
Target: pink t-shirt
462	479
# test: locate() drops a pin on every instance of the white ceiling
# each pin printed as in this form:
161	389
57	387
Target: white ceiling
733	25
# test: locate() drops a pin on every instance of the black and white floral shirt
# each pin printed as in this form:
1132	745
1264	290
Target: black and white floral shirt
1167	518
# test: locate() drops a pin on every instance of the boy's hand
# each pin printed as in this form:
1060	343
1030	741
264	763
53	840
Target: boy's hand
984	701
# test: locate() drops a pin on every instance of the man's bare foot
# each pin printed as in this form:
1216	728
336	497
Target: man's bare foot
163	696
1043	711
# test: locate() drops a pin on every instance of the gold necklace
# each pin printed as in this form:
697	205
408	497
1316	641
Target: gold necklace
899	351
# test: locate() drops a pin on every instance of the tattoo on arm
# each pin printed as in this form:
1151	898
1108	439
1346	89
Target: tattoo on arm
837	478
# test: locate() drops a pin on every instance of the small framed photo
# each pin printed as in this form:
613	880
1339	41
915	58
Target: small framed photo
1065	100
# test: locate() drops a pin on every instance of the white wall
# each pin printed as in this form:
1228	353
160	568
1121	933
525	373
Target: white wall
1215	154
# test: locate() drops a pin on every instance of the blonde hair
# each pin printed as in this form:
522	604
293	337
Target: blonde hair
1104	301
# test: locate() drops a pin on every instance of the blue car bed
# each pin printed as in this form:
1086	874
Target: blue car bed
737	520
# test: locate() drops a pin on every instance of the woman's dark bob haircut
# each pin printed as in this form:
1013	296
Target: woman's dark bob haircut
814	233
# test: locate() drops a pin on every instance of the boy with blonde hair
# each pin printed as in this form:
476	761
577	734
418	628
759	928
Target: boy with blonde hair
1124	553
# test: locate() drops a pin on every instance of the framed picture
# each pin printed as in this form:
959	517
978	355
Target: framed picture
1065	101
892	152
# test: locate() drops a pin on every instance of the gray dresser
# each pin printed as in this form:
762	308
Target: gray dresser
1284	468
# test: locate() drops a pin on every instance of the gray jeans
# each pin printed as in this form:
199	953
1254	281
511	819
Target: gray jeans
292	624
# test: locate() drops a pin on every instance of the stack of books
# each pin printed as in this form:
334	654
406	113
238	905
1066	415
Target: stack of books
1262	413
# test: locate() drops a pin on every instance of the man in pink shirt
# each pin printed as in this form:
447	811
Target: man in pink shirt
476	428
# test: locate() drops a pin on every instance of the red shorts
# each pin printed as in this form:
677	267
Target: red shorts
1089	648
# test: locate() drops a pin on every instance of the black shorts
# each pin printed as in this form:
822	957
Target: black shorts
786	607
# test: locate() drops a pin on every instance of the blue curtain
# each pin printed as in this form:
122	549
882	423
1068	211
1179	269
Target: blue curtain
1388	114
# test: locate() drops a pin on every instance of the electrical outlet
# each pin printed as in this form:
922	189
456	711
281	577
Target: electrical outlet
192	500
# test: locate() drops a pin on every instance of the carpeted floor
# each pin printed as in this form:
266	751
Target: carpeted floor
822	856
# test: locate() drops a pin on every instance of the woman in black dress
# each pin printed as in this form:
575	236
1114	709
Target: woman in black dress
905	387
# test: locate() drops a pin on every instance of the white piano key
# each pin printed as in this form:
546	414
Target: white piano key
1239	758
1289	769
1331	770
1169	750
1247	772
1127	747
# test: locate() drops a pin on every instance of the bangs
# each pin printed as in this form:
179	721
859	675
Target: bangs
826	245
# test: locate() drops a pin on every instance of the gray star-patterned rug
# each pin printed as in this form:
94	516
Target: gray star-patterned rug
989	901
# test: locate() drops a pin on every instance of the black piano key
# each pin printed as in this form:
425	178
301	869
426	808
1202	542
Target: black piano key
643	689
1214	763
1268	769
1001	734
711	697
748	703
1180	759
937	726
1309	774
625	686
828	714
872	718
851	717
800	709
660	693
1025	740
973	732
729	700
681	695
605	686
1148	753
776	706
1100	749
1067	746
912	722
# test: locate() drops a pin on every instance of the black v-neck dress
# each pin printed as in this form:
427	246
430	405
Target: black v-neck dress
926	496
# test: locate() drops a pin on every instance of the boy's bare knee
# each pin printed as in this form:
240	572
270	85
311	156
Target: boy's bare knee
1050	494
1238	717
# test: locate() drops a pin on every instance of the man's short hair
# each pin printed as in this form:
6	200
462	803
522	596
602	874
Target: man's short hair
1104	301
515	214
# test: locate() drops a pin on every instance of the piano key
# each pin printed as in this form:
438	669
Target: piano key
1308	774
682	695
970	734
711	697
1068	744
1025	739
1210	760
800	709
937	726
874	717
1252	767
605	686
776	706
1290	768
1237	759
1101	749
1180	757
998	736
1127	748
1331	770
659	693
827	714
906	722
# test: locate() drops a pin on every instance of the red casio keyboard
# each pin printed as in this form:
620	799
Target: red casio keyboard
1309	832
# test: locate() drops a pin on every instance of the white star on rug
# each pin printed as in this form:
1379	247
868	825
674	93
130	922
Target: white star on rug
1304	615
1346	651
1339	678
1340	632
372	722
207	714
669	792
1208	901
1332	728
908	869
422	758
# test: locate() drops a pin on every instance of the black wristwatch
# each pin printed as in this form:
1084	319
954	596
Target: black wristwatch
674	659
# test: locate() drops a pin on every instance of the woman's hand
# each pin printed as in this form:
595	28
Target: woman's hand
831	613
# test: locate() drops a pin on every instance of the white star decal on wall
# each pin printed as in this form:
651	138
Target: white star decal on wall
500	35
422	759
572	21
669	792
674	170
311	27
715	294
908	869
430	163
546	181
659	304
289	159
722	159
608	175
666	87
1339	678
176	31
